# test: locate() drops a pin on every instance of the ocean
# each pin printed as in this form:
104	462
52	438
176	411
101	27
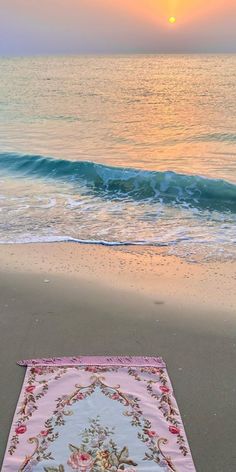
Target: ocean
120	150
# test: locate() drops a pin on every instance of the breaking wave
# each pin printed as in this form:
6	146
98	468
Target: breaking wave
119	182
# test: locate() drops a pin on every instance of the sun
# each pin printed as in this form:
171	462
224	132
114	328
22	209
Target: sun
172	19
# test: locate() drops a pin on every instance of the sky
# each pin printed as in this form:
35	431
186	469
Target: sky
38	27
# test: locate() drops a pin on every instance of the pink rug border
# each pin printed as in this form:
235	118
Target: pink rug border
135	361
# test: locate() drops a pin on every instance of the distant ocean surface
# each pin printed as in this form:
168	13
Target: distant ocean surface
134	150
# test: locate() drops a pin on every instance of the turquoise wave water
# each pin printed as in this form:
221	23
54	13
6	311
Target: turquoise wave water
118	182
177	123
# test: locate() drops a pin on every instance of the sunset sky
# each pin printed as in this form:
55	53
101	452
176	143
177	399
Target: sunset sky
109	26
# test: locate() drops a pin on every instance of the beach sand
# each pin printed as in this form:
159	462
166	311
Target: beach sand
71	299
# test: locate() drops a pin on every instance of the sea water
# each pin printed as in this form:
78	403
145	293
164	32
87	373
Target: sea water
133	150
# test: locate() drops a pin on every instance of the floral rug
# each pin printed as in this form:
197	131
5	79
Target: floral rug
97	414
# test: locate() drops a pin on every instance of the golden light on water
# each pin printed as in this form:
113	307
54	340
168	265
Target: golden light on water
172	19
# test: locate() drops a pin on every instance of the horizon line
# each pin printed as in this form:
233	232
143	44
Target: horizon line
128	53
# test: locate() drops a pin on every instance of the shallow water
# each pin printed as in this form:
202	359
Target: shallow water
163	128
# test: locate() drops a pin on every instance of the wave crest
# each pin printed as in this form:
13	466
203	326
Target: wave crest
119	182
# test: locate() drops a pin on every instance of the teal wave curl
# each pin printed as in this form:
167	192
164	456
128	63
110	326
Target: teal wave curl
119	182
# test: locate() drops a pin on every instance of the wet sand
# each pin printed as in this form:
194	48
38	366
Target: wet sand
70	299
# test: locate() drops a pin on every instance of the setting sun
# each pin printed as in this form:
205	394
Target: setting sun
172	19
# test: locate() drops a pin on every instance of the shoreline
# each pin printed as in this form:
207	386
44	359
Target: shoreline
61	299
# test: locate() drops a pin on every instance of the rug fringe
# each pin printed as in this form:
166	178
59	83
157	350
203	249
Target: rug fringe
96	360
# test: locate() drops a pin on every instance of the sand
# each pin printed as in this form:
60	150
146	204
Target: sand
71	299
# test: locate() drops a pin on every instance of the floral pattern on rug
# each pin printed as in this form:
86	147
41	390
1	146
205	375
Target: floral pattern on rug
98	452
160	390
56	398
